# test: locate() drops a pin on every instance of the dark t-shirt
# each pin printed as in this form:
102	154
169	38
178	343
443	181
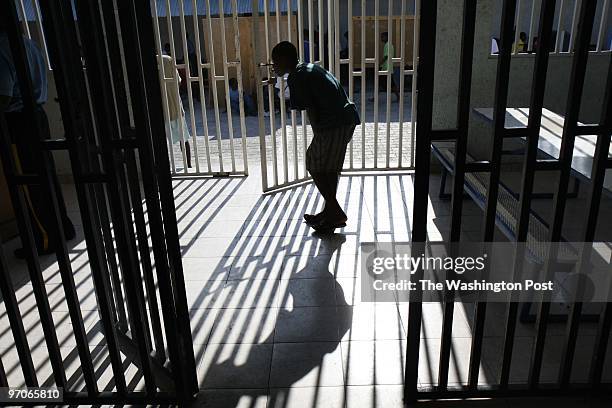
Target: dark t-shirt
318	92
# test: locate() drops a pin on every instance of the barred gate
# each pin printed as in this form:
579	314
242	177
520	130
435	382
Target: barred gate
601	133
378	144
121	171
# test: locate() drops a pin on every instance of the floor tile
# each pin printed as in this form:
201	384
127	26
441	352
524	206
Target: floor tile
250	325
306	365
311	324
231	398
373	362
235	366
307	397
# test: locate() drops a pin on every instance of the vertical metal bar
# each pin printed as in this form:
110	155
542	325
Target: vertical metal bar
390	68
115	58
321	37
560	20
376	77
12	310
177	80
517	29
300	48
189	79
311	53
336	52
96	55
547	16
330	36
351	68
238	57
573	29
3	379
427	44
499	117
363	83
260	96
41	34
228	109
213	81
415	78
531	22
463	116
270	88
174	286
598	175
162	82
576	86
196	32
281	98
24	19
602	25
400	147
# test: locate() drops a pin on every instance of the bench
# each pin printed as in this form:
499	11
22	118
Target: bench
506	219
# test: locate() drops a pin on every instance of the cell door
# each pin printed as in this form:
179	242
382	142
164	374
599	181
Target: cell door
346	39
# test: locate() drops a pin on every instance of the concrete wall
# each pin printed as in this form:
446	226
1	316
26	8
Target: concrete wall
484	74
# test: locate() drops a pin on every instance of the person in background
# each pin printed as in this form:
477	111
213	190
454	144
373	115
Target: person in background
333	118
179	132
167	49
521	46
22	131
249	104
386	64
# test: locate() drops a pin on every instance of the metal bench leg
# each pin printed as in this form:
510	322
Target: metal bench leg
444	196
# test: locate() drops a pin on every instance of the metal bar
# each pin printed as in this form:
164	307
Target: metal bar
547	15
260	96
24	19
177	81
281	98
499	116
427	44
463	116
185	359
162	81
602	26
271	97
18	195
400	147
415	63
576	85
211	52
390	68
330	35
573	29
351	68
598	175
238	57
292	112
41	34
112	29
531	22
228	107
19	335
560	19
321	38
363	84
376	78
102	98
200	65
188	77
337	49
517	30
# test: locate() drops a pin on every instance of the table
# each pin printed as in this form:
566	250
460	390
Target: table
549	143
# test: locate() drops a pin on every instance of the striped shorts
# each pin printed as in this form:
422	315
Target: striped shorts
328	148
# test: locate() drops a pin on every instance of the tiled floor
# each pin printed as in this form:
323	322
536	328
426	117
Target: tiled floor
275	310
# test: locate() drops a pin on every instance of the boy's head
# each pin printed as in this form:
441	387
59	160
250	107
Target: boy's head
284	57
233	83
523	36
384	37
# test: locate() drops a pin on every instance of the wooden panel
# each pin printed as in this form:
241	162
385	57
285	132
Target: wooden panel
395	37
